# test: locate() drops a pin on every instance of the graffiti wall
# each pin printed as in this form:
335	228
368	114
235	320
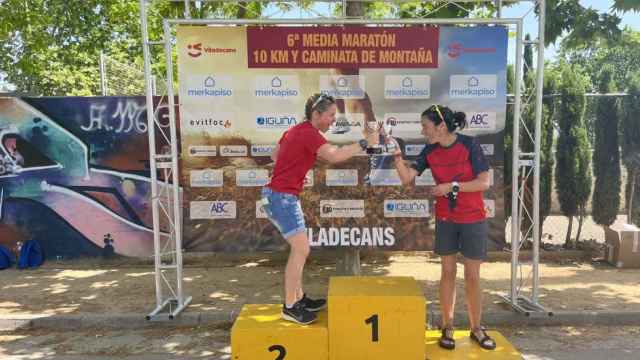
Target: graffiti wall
74	175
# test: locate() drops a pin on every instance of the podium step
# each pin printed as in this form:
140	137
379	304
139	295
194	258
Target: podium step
468	349
376	318
259	333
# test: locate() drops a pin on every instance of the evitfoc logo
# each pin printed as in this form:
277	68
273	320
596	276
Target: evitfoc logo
275	122
252	177
343	87
206	178
214	122
473	86
210	86
277	87
406	208
407	87
212	210
481	120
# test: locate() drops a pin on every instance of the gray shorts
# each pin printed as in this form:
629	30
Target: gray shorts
468	239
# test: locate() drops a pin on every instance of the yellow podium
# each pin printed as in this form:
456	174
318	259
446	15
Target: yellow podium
260	333
376	318
467	349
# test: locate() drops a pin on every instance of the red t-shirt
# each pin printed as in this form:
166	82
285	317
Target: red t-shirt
461	162
296	156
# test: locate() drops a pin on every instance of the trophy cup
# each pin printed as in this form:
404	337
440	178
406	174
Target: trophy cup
380	154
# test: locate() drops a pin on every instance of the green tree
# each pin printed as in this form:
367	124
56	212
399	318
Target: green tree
630	129
606	154
573	173
52	47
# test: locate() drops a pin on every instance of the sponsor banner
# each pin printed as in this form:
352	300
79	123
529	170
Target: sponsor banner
276	122
198	49
490	208
426	179
208	87
342	47
252	177
473	86
457	49
233	150
352	236
341	208
385	177
414	149
206	178
277	87
343	86
260	213
262	150
407	87
203	150
401	123
212	210
406	208
341	177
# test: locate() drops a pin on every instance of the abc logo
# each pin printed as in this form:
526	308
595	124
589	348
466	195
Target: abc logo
218	208
480	119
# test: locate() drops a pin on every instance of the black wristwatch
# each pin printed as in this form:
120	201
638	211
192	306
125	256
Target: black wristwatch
455	187
364	144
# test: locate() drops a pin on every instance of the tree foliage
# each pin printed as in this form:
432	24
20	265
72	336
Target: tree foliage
606	154
630	129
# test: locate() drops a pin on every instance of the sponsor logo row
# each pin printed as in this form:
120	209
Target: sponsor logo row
334	177
287	87
350	124
406	208
267	150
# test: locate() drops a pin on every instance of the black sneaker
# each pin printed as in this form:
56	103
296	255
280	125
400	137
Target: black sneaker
298	314
313	305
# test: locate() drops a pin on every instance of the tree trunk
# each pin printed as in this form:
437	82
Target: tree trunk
567	240
634	176
348	261
581	217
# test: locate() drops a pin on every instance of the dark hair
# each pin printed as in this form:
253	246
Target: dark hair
318	102
439	113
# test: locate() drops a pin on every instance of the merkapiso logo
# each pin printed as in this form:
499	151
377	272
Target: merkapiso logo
210	86
252	177
277	87
275	122
454	50
481	120
341	177
406	208
262	150
384	177
407	87
195	50
206	178
473	86
343	87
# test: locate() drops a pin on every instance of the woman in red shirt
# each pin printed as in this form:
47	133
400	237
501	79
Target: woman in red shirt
461	173
294	156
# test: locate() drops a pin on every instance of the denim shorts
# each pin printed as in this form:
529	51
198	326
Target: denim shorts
284	211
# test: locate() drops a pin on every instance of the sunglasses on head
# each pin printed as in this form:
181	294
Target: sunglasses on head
437	109
320	99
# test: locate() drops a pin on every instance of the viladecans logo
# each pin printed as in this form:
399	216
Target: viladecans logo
352	236
196	50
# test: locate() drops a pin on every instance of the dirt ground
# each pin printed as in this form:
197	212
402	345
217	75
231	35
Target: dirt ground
95	287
